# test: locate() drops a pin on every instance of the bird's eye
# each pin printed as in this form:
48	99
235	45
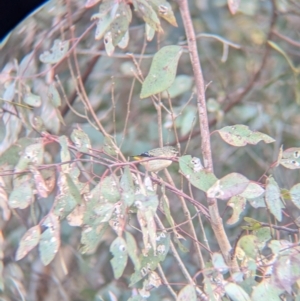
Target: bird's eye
146	154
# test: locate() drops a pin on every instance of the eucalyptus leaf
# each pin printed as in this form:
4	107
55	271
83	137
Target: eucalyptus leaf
54	96
50	239
295	195
162	71
235	292
91	237
120	256
248	243
273	199
181	84
290	158
241	135
32	100
22	195
57	52
81	140
148	14
164	10
228	186
202	179
238	204
28	241
127	187
132	250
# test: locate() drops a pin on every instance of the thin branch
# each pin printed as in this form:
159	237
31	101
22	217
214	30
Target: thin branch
286	39
216	221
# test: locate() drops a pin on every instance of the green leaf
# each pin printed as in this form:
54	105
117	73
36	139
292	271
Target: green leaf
40	185
58	52
81	140
150	261
127	187
4	208
33	154
32	100
73	189
186	120
263	235
120	24
213	106
65	155
253	224
148	14
51	117
252	191
258	202
91	237
12	155
50	239
235	292
63	205
102	202
248	243
9	92
240	135
266	291
148	227
107	13
280	247
238	204
103	212
110	189
164	10
22	194
188	293
28	241
11	126
291	158
181	84
124	40
68	198
219	263
109	147
162	71
54	96
27	66
150	32
167	212
287	271
119	250
200	178
132	250
108	43
103	24
273	199
230	185
295	195
75	218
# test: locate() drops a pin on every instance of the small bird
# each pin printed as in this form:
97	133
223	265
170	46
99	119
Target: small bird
157	165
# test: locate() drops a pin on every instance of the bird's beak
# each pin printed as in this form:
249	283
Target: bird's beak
137	158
